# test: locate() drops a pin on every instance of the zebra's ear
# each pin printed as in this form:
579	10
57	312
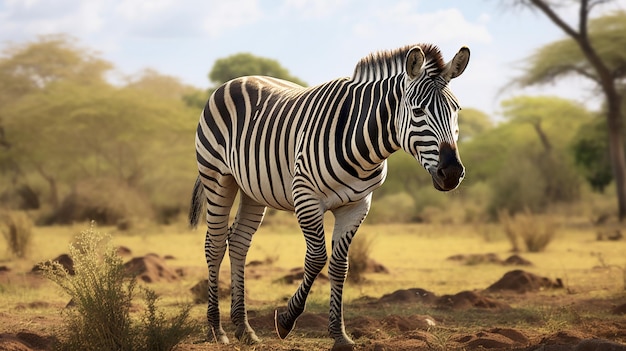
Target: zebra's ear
457	65
414	62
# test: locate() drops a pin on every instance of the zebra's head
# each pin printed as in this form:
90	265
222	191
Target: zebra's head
429	127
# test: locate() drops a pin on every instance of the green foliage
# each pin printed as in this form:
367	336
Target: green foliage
246	64
563	57
102	293
517	185
17	230
158	332
104	200
87	128
393	208
526	159
591	154
472	122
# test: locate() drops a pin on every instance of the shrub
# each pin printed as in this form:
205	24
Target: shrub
358	258
399	207
102	293
106	201
17	230
535	232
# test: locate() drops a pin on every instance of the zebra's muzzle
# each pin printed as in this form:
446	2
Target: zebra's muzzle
450	171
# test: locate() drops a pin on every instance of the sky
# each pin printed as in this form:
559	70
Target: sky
316	40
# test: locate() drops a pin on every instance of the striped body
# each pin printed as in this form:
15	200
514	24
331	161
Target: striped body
312	150
281	133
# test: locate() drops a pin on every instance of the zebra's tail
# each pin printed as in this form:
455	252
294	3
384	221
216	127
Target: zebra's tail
197	202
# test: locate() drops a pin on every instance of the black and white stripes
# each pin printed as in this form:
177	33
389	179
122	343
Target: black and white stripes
318	149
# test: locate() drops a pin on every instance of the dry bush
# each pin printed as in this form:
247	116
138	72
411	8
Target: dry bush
533	231
393	208
106	201
358	258
17	230
102	293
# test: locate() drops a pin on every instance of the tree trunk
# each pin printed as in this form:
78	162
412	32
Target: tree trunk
618	164
608	84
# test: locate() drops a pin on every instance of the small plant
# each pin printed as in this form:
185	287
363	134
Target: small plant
440	340
535	232
102	293
358	258
17	230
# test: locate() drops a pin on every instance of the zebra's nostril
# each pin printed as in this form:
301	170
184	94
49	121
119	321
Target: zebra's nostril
441	173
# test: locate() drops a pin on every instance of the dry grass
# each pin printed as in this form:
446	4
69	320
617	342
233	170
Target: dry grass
535	232
17	230
414	254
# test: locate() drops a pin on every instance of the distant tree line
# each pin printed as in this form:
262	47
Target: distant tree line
74	146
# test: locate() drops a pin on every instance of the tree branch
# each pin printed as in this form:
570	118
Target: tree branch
545	8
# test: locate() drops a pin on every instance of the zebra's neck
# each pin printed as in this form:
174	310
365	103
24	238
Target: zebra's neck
371	123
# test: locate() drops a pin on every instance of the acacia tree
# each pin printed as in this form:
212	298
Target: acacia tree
603	71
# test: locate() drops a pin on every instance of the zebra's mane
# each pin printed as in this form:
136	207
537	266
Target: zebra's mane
384	64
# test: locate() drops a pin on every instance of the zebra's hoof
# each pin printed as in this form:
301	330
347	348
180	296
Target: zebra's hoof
247	336
281	330
343	345
218	338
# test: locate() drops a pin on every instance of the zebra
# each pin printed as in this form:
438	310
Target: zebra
312	150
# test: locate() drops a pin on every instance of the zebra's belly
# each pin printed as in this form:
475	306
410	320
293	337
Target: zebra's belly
267	183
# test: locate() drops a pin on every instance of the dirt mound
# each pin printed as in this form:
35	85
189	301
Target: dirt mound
570	340
376	329
496	338
64	259
296	275
414	295
123	251
151	268
200	291
472	259
489	258
24	341
621	309
470	299
373	266
516	260
408	323
521	281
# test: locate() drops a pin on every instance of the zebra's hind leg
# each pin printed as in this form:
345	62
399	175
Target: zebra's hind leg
347	221
311	220
220	193
249	218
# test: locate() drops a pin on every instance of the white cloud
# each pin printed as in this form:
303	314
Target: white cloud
221	15
403	20
22	19
313	9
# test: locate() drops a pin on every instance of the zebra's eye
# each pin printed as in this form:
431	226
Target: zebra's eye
418	112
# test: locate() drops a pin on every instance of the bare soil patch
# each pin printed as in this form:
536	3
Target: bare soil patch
467	320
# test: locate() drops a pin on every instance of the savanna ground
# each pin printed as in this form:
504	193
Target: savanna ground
586	307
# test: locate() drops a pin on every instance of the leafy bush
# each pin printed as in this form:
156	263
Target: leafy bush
17	230
102	293
535	232
104	200
399	207
358	258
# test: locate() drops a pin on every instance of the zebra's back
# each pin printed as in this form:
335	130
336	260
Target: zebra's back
255	127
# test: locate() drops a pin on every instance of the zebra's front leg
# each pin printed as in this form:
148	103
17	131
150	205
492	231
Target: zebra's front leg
249	218
347	221
311	220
